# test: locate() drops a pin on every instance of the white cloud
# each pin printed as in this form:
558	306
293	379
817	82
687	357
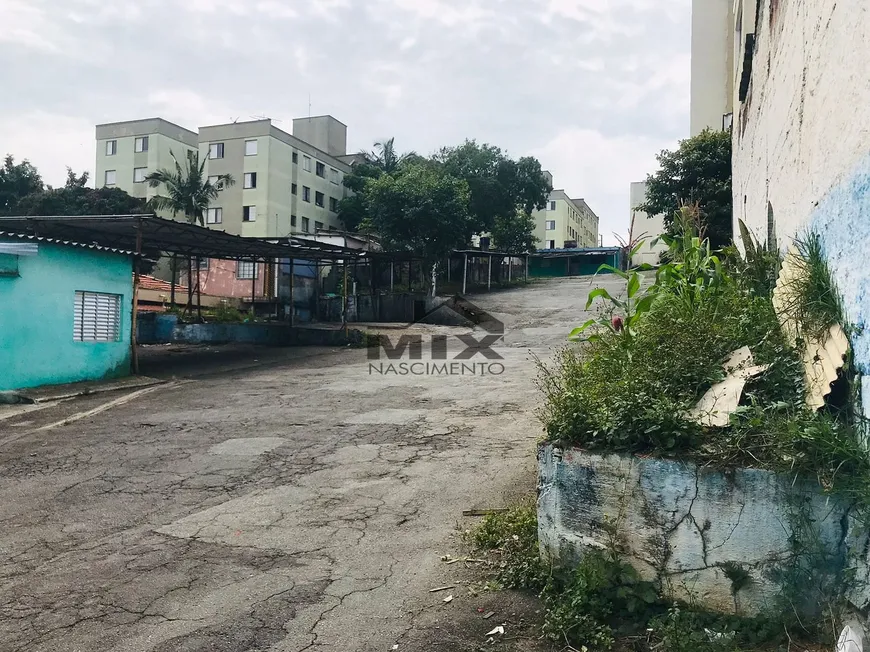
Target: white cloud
188	109
594	87
51	142
588	164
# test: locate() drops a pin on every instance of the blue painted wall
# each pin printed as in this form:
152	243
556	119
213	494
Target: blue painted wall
842	221
36	317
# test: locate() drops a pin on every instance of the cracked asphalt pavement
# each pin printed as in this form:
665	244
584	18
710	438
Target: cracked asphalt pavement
295	505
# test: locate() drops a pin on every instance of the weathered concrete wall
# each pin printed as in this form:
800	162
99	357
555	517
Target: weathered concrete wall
684	526
165	329
801	143
389	308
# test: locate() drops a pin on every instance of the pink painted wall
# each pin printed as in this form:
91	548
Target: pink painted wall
221	280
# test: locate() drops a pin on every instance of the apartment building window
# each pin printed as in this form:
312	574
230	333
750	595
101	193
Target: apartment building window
249	214
294	189
215	181
140	144
306	163
111	147
318	226
319	198
139	175
320	169
333	204
110	177
552	205
306	193
216	150
333	175
204	264
250	148
551	244
250	180
292	220
305	224
96	317
550	225
295	157
214	216
246	269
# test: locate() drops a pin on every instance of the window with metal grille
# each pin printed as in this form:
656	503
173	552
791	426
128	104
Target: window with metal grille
97	317
246	269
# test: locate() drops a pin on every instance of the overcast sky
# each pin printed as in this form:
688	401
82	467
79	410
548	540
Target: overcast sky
593	88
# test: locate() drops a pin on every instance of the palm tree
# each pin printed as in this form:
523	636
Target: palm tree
188	191
385	157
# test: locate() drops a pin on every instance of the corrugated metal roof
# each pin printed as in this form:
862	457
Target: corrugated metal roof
19	248
69	243
159	285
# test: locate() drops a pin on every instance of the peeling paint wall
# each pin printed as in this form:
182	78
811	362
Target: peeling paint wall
684	526
802	144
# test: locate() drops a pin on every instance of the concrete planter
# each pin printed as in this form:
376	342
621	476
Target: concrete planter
689	528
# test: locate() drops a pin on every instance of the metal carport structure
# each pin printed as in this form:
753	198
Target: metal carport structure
149	235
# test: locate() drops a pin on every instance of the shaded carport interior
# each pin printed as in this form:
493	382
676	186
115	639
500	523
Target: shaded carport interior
550	263
150	236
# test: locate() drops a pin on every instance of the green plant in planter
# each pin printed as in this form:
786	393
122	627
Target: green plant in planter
815	303
695	274
629	311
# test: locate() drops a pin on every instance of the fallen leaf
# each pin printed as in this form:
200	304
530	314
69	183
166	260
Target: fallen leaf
449	598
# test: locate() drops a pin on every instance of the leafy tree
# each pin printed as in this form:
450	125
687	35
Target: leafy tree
698	172
17	181
75	181
386	159
74	198
498	184
515	235
352	209
188	191
421	210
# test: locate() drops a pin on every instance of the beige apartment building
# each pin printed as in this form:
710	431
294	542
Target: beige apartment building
284	184
645	227
128	151
565	220
713	57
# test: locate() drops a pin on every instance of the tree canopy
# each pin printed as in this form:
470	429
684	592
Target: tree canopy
17	180
22	193
422	210
697	172
501	193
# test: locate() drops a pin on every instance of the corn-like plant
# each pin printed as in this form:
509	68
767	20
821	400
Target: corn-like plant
629	311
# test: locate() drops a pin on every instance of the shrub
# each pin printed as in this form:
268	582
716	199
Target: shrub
599	599
514	535
226	314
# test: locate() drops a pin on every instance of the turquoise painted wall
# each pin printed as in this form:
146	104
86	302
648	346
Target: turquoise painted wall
36	317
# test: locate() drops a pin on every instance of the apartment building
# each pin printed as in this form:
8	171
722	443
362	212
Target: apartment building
713	57
645	227
284	184
565	220
128	151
